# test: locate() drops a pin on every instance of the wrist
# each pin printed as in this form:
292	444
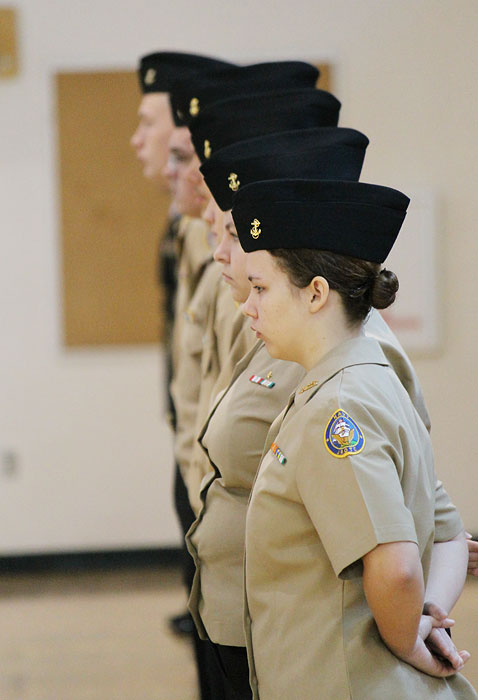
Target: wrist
405	650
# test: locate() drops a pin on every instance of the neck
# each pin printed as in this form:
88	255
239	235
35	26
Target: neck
326	334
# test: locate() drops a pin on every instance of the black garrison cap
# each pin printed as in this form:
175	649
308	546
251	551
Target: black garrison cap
350	218
258	114
190	97
158	71
329	153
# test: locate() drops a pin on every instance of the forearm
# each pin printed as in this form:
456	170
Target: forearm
393	585
447	572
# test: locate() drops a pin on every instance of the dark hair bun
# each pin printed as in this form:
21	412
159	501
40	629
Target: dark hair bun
384	289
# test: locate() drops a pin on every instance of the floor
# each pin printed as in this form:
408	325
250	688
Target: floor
96	636
104	636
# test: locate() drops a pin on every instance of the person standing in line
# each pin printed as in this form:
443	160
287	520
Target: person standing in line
214	337
166	152
236	429
208	330
341	553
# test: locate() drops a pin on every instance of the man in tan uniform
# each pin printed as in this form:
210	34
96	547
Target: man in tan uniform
166	151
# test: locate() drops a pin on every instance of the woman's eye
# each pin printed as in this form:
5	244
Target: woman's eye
257	288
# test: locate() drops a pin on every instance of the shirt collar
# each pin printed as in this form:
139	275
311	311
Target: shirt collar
356	351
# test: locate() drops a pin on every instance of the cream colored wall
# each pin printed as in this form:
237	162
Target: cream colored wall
94	452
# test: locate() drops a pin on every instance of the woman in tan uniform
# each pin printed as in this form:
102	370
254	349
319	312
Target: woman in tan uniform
236	430
340	553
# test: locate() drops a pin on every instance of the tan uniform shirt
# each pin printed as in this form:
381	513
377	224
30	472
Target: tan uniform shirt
350	466
207	323
234	436
186	384
225	341
194	253
376	327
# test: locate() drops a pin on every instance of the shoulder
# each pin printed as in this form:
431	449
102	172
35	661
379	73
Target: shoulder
196	248
362	399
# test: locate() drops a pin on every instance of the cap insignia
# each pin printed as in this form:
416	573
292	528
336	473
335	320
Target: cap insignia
255	230
207	149
342	435
150	76
233	182
194	107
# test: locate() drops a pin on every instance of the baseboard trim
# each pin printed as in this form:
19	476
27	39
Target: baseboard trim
91	560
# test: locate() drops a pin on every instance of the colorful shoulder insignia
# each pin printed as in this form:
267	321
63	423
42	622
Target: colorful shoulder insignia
342	436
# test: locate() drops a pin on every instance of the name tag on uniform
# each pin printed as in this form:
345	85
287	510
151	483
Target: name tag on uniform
277	452
255	379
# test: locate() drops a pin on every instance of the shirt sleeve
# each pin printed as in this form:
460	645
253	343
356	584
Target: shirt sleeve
355	501
447	519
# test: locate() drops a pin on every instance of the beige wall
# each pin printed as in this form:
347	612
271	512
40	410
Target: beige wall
94	453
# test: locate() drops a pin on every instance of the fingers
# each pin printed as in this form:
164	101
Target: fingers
434	663
472	557
445	652
438	614
440	644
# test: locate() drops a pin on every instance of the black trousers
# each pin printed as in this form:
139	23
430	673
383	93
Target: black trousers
233	664
210	675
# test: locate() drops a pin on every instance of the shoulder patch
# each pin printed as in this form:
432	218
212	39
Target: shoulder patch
342	436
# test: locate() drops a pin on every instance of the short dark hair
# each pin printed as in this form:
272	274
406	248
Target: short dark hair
361	284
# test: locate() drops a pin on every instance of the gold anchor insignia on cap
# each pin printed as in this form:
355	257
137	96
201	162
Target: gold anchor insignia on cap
207	149
255	230
233	182
194	107
150	76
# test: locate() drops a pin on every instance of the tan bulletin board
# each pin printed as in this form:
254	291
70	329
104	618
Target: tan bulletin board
111	217
8	42
325	77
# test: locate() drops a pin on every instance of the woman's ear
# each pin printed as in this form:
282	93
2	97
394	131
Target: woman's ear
318	292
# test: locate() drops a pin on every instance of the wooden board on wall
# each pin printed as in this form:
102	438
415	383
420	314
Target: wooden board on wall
325	77
111	218
8	42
